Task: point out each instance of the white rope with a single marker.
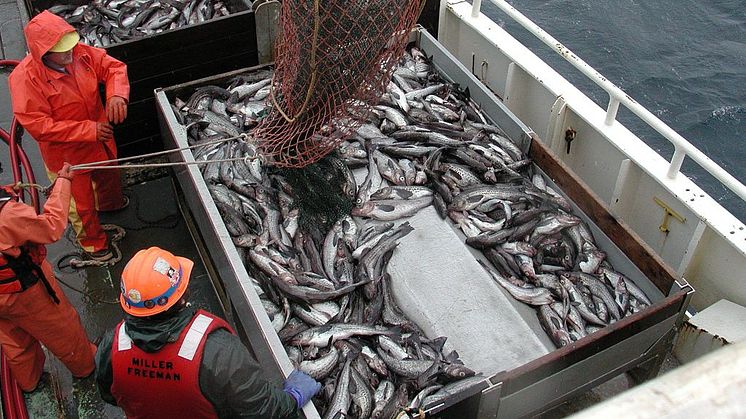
(246, 159)
(100, 164)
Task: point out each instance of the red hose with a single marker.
(16, 152)
(14, 405)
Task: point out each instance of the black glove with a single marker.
(301, 387)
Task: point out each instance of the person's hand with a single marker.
(66, 171)
(116, 109)
(104, 131)
(301, 387)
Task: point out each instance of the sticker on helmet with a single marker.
(173, 277)
(134, 296)
(161, 266)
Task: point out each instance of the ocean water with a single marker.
(684, 60)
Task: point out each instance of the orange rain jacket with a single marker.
(59, 111)
(30, 316)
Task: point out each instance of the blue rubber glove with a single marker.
(301, 387)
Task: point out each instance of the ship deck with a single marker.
(154, 218)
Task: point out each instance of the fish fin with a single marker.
(352, 387)
(438, 343)
(451, 357)
(394, 333)
(429, 374)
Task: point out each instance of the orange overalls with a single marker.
(31, 316)
(61, 111)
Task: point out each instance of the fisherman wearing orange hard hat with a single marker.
(166, 359)
(55, 97)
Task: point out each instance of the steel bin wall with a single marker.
(170, 57)
(635, 343)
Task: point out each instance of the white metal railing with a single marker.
(682, 147)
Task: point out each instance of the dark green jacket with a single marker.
(229, 376)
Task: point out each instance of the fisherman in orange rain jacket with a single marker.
(55, 96)
(33, 309)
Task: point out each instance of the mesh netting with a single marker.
(318, 193)
(333, 58)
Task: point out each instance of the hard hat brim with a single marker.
(186, 269)
(66, 43)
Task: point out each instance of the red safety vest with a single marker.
(21, 272)
(163, 384)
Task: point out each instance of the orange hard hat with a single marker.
(153, 281)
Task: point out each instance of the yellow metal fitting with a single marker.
(669, 212)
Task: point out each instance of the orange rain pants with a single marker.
(30, 317)
(61, 110)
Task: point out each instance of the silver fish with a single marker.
(340, 403)
(322, 336)
(388, 210)
(577, 300)
(533, 296)
(322, 366)
(384, 392)
(362, 395)
(554, 326)
(410, 368)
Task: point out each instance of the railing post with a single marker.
(611, 110)
(676, 161)
(476, 8)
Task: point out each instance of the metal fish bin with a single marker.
(439, 285)
(175, 56)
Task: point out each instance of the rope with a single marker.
(100, 164)
(246, 159)
(90, 293)
(411, 413)
(23, 185)
(312, 84)
(76, 260)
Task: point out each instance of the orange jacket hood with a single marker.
(43, 32)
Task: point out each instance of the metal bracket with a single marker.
(267, 15)
(483, 69)
(669, 212)
(569, 136)
(489, 401)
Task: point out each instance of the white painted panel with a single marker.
(716, 270)
(592, 158)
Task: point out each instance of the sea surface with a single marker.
(684, 60)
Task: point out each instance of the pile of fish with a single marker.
(104, 22)
(328, 293)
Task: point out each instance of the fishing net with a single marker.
(317, 192)
(333, 59)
